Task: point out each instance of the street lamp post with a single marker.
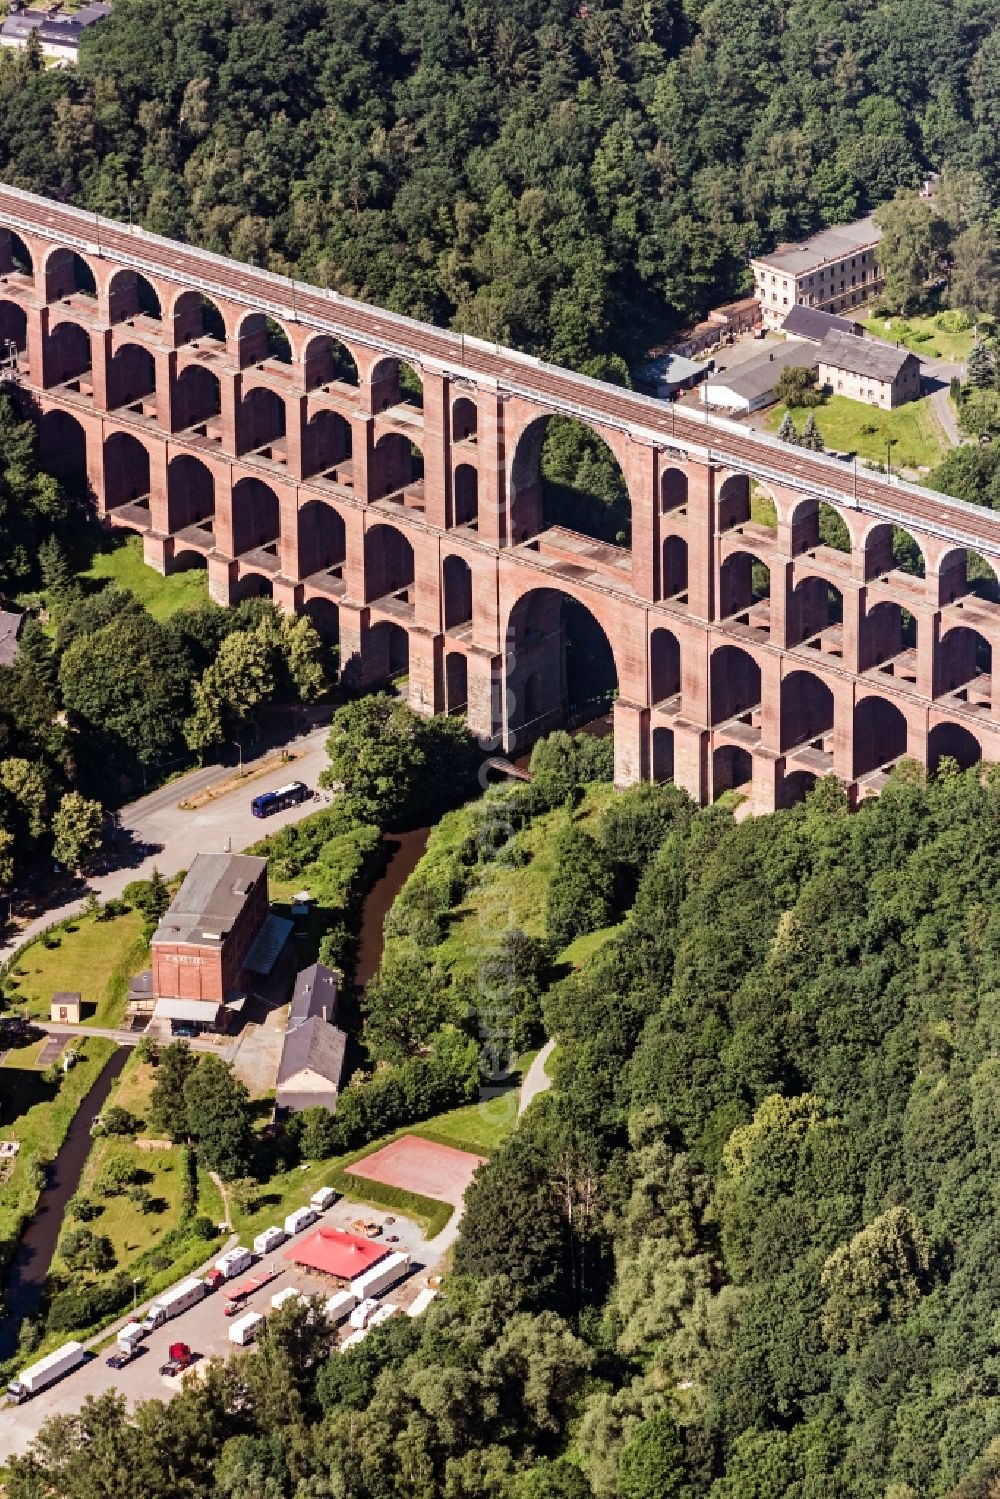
(135, 1295)
(240, 748)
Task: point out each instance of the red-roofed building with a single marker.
(337, 1253)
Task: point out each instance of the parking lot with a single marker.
(206, 1330)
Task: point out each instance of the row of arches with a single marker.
(262, 428)
(325, 360)
(963, 658)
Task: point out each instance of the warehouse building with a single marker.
(747, 387)
(204, 946)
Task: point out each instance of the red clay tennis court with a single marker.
(417, 1165)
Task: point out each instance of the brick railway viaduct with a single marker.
(271, 431)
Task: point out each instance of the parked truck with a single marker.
(131, 1335)
(173, 1302)
(39, 1376)
(381, 1276)
(234, 1262)
(386, 1310)
(421, 1301)
(246, 1288)
(245, 1330)
(180, 1358)
(282, 1298)
(363, 1313)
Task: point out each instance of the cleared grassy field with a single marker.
(161, 596)
(855, 427)
(508, 896)
(93, 958)
(131, 1228)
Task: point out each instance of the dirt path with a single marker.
(536, 1079)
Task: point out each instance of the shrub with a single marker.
(80, 1307)
(82, 1249)
(118, 1121)
(189, 1178)
(952, 321)
(202, 1227)
(83, 1209)
(147, 1051)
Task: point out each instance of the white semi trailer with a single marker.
(381, 1276)
(173, 1302)
(39, 1376)
(339, 1307)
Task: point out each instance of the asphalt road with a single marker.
(164, 837)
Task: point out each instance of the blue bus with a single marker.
(276, 801)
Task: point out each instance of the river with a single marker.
(30, 1265)
(405, 851)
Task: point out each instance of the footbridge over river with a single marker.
(383, 475)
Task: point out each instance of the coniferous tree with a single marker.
(787, 431)
(811, 438)
(981, 369)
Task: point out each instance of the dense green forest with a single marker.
(574, 178)
(744, 1248)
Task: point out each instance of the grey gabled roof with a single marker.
(10, 633)
(315, 994)
(316, 1046)
(863, 356)
(213, 894)
(756, 377)
(814, 324)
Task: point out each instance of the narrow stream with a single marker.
(30, 1265)
(405, 851)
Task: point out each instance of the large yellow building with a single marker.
(834, 269)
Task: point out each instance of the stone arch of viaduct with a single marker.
(383, 476)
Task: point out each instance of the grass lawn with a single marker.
(39, 1115)
(918, 440)
(132, 1230)
(93, 958)
(483, 1126)
(924, 335)
(161, 596)
(506, 896)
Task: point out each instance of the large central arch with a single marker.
(563, 473)
(561, 667)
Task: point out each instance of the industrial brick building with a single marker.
(201, 947)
